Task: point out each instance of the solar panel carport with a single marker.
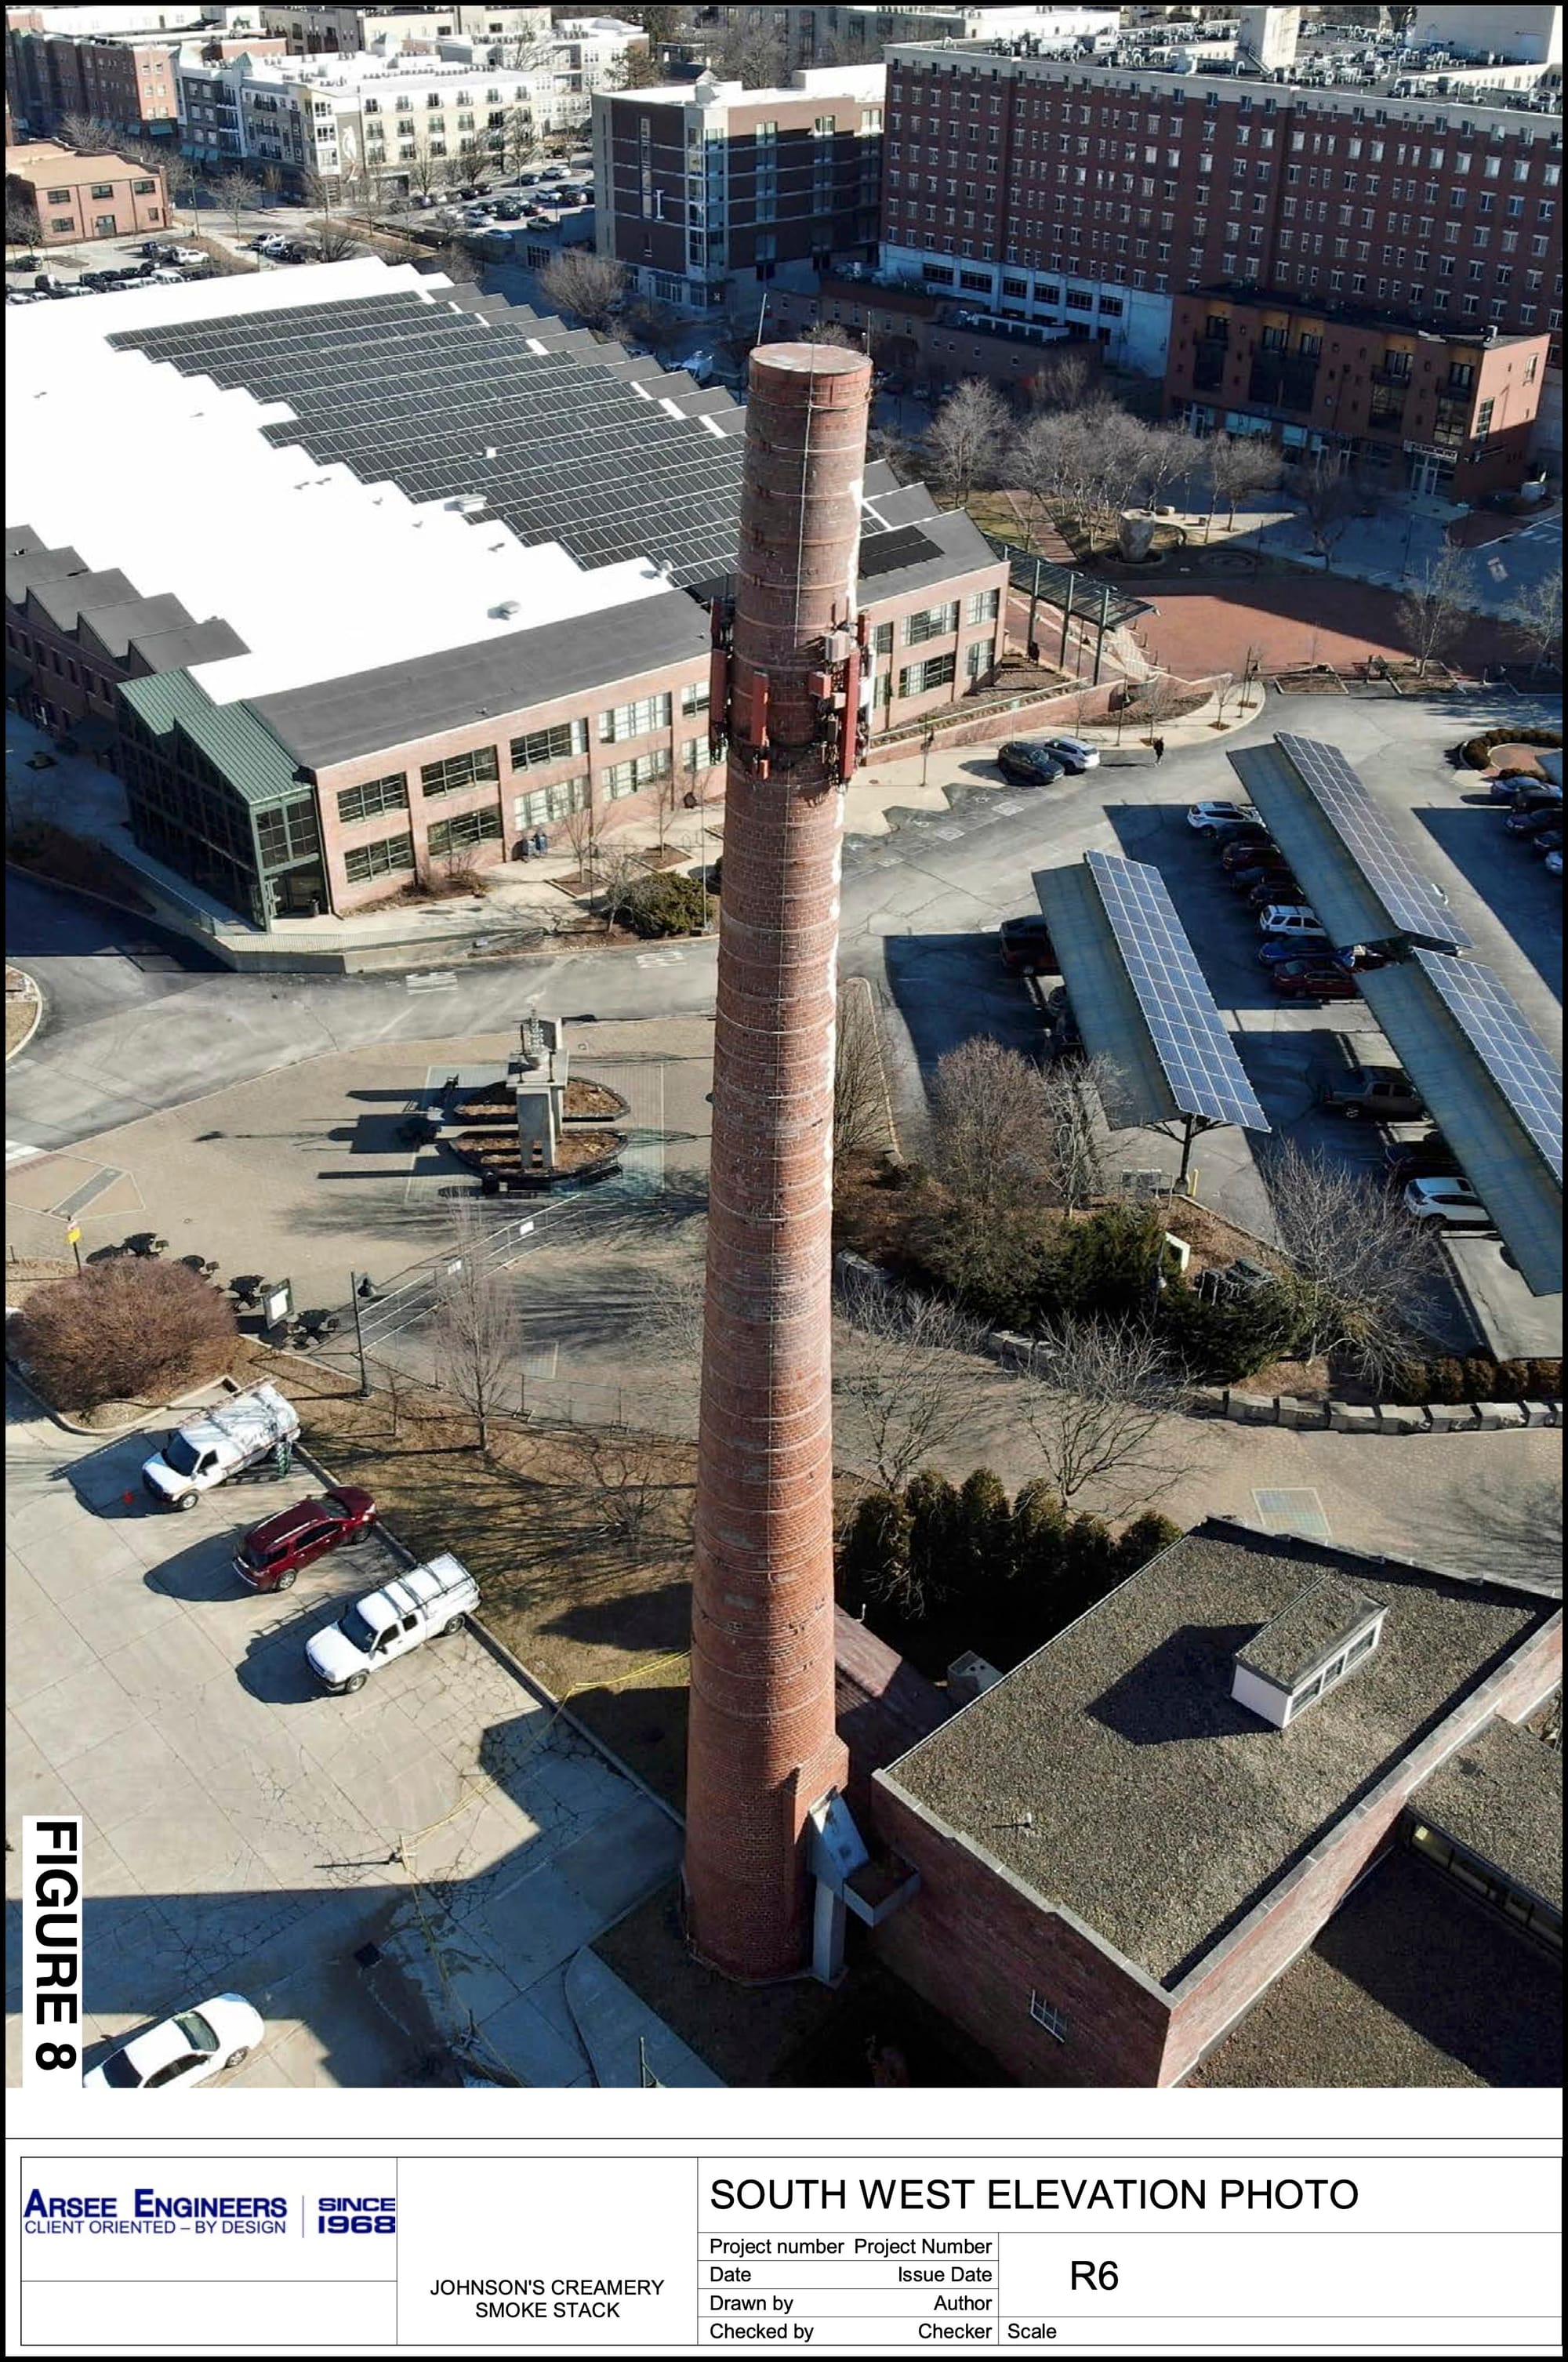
(1493, 1092)
(1140, 1001)
(1353, 867)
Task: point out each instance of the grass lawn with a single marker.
(595, 1620)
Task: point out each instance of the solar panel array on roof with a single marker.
(443, 403)
(1493, 1024)
(1409, 898)
(1206, 1077)
(884, 553)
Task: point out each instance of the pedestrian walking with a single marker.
(541, 843)
(1159, 746)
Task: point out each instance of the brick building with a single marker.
(521, 535)
(128, 82)
(1061, 192)
(1437, 411)
(1125, 1842)
(705, 187)
(80, 197)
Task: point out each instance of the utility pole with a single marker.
(359, 1333)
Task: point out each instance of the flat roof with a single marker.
(1500, 1796)
(38, 163)
(1306, 1634)
(1163, 1812)
(1410, 1983)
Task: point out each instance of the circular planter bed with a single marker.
(1478, 751)
(581, 1155)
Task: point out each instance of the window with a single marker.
(460, 771)
(463, 830)
(626, 779)
(635, 720)
(882, 639)
(1040, 2011)
(378, 860)
(144, 188)
(694, 696)
(977, 659)
(934, 673)
(930, 624)
(549, 746)
(372, 796)
(982, 606)
(696, 755)
(287, 833)
(554, 802)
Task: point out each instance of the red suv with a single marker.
(273, 1553)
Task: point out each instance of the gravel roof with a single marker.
(1163, 1811)
(1309, 1631)
(1500, 1795)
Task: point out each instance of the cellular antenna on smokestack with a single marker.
(764, 1759)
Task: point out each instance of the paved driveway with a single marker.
(374, 1872)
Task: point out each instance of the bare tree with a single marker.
(862, 1119)
(90, 134)
(236, 193)
(904, 1386)
(991, 1126)
(1093, 1399)
(1538, 613)
(1329, 500)
(1360, 1265)
(1041, 461)
(965, 437)
(751, 48)
(457, 261)
(591, 286)
(1065, 380)
(426, 172)
(620, 871)
(621, 1478)
(1157, 697)
(1170, 456)
(1071, 1090)
(476, 1332)
(580, 831)
(335, 242)
(21, 221)
(1432, 613)
(832, 332)
(1237, 465)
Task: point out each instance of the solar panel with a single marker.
(1521, 1067)
(1206, 1077)
(1409, 898)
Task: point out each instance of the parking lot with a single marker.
(932, 899)
(381, 1875)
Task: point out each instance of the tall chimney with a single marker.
(762, 1744)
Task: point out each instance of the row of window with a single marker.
(48, 660)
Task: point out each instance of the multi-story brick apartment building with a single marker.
(706, 188)
(128, 82)
(521, 537)
(1122, 1845)
(1436, 413)
(1060, 192)
(310, 30)
(78, 197)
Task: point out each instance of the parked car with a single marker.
(185, 254)
(1246, 874)
(1448, 1199)
(1554, 864)
(1075, 755)
(1419, 1160)
(389, 1622)
(1537, 812)
(252, 1432)
(188, 2049)
(273, 1553)
(1214, 819)
(1027, 948)
(1505, 787)
(1549, 841)
(1291, 922)
(1374, 1094)
(1242, 848)
(1356, 957)
(1274, 886)
(1026, 761)
(509, 210)
(1303, 980)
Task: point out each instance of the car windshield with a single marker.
(335, 1510)
(197, 2033)
(358, 1632)
(181, 1455)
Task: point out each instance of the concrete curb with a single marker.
(33, 993)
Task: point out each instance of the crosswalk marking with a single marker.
(434, 979)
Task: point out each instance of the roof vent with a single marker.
(1289, 1662)
(507, 608)
(469, 504)
(969, 1676)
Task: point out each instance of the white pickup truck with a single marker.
(255, 1432)
(404, 1612)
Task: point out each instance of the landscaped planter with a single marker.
(586, 1103)
(581, 1155)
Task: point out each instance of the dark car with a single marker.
(1243, 846)
(1549, 841)
(1248, 874)
(1378, 1094)
(509, 210)
(1274, 886)
(1022, 760)
(273, 1553)
(1419, 1160)
(1536, 812)
(1305, 980)
(1026, 947)
(1361, 955)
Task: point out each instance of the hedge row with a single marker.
(1477, 751)
(1478, 1378)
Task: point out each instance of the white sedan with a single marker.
(188, 2049)
(1076, 754)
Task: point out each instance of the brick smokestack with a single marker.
(763, 1745)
